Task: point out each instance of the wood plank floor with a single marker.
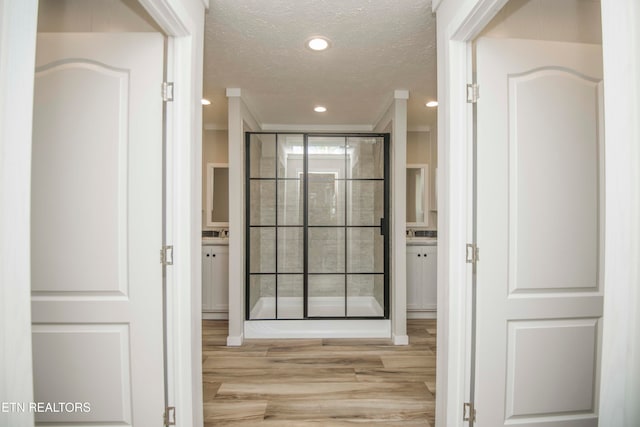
(319, 382)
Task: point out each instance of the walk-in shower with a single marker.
(317, 230)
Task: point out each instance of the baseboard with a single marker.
(422, 314)
(215, 315)
(235, 341)
(400, 339)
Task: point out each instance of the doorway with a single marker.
(548, 103)
(317, 236)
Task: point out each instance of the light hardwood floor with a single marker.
(319, 382)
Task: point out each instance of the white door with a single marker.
(96, 228)
(539, 286)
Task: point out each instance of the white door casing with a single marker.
(96, 227)
(539, 216)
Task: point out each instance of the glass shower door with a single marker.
(345, 200)
(316, 209)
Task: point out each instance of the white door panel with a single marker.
(96, 227)
(539, 295)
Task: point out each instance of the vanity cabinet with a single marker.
(215, 281)
(421, 281)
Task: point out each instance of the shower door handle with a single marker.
(383, 225)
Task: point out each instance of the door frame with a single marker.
(183, 24)
(459, 23)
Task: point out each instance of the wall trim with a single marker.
(18, 23)
(274, 127)
(184, 28)
(455, 125)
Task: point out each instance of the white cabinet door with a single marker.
(220, 278)
(414, 277)
(429, 266)
(97, 228)
(215, 279)
(539, 301)
(207, 283)
(421, 281)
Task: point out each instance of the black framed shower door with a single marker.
(317, 243)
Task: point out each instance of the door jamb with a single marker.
(183, 206)
(454, 323)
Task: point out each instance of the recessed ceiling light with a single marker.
(432, 104)
(318, 43)
(205, 101)
(320, 109)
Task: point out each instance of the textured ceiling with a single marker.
(378, 46)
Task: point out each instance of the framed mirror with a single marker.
(217, 209)
(417, 195)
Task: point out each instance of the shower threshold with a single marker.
(313, 328)
(291, 308)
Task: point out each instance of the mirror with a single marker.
(417, 200)
(217, 210)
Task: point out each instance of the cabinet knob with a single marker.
(213, 255)
(207, 255)
(418, 254)
(425, 255)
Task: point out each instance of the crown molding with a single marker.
(316, 128)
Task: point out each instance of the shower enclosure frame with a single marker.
(383, 225)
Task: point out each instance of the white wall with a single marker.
(94, 16)
(17, 64)
(576, 21)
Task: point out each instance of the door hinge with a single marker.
(166, 255)
(167, 91)
(473, 93)
(473, 253)
(468, 412)
(170, 416)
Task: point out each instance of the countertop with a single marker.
(215, 240)
(411, 241)
(422, 241)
